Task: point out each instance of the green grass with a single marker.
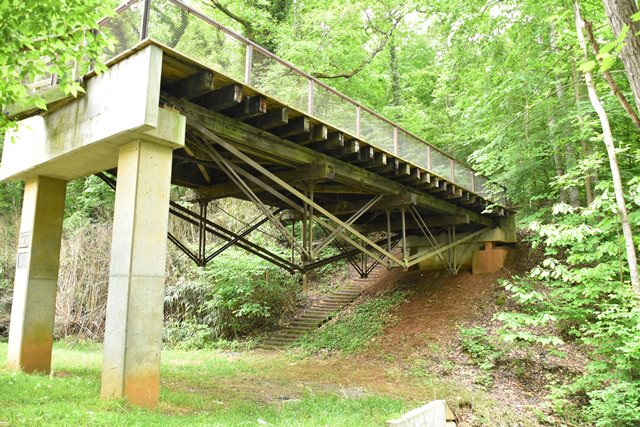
(354, 331)
(198, 388)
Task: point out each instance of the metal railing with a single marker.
(194, 34)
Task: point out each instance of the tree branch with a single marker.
(367, 60)
(245, 24)
(609, 78)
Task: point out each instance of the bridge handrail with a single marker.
(397, 140)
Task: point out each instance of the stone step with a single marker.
(326, 311)
(282, 338)
(305, 321)
(302, 330)
(313, 323)
(290, 331)
(316, 318)
(322, 311)
(279, 345)
(287, 337)
(339, 300)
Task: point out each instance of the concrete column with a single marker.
(133, 335)
(36, 279)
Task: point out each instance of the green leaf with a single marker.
(608, 47)
(40, 103)
(587, 66)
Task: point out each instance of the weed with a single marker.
(447, 367)
(483, 351)
(355, 331)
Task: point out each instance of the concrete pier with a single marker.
(36, 279)
(133, 336)
(118, 123)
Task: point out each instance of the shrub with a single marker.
(187, 335)
(582, 288)
(9, 224)
(236, 294)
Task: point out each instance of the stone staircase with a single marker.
(322, 311)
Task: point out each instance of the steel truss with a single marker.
(341, 233)
(206, 226)
(319, 227)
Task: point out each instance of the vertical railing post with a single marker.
(310, 95)
(429, 165)
(395, 140)
(453, 172)
(358, 113)
(473, 182)
(144, 25)
(248, 61)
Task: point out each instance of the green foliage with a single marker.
(582, 289)
(10, 196)
(236, 294)
(89, 200)
(483, 349)
(247, 291)
(44, 38)
(355, 331)
(187, 335)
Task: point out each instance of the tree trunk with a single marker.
(572, 194)
(626, 106)
(613, 161)
(574, 191)
(395, 76)
(619, 13)
(588, 174)
(557, 160)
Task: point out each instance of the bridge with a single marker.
(188, 102)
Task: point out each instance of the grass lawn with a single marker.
(198, 388)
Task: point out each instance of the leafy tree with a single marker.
(580, 289)
(613, 160)
(620, 14)
(41, 39)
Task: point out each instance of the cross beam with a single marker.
(272, 148)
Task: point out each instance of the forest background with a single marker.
(503, 84)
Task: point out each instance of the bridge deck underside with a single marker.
(345, 171)
(342, 191)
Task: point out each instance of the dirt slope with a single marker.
(420, 357)
(438, 303)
